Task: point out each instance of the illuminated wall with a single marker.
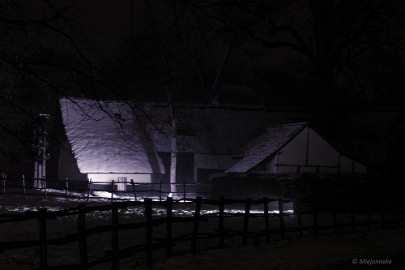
(308, 152)
(108, 178)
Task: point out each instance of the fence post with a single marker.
(81, 230)
(115, 238)
(246, 221)
(397, 212)
(112, 191)
(45, 181)
(316, 229)
(369, 207)
(353, 220)
(169, 222)
(160, 190)
(299, 218)
(149, 232)
(3, 181)
(43, 253)
(266, 218)
(281, 217)
(384, 204)
(67, 187)
(335, 222)
(24, 188)
(196, 224)
(88, 189)
(383, 218)
(184, 191)
(221, 228)
(369, 220)
(133, 188)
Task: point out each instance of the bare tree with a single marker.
(33, 36)
(318, 38)
(168, 61)
(165, 76)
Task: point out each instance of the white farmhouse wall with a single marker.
(291, 157)
(320, 152)
(348, 165)
(294, 152)
(109, 177)
(271, 167)
(307, 169)
(308, 152)
(360, 168)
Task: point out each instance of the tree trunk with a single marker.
(173, 142)
(173, 157)
(322, 109)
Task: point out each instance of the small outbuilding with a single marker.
(293, 149)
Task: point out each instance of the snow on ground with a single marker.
(56, 201)
(327, 251)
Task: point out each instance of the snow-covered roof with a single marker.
(106, 137)
(265, 145)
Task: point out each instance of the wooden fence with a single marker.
(71, 188)
(273, 226)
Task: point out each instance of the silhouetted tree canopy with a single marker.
(318, 43)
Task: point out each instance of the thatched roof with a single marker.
(106, 137)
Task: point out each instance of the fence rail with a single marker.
(220, 233)
(84, 189)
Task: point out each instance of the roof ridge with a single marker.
(272, 141)
(288, 125)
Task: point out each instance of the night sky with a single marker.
(274, 52)
(329, 58)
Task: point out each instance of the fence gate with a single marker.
(121, 183)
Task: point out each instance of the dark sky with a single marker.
(97, 34)
(373, 76)
(279, 56)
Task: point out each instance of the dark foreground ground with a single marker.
(378, 249)
(331, 252)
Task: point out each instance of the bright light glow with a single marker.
(170, 195)
(239, 211)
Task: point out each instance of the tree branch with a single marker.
(304, 49)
